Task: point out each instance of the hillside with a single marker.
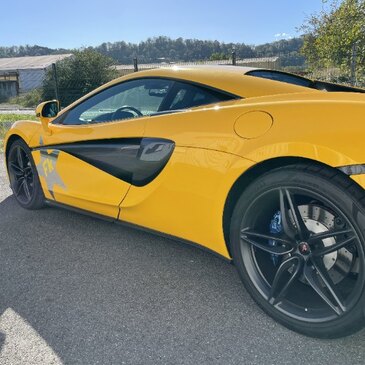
(164, 48)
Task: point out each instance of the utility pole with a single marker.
(353, 64)
(234, 57)
(135, 64)
(55, 80)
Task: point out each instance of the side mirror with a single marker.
(46, 112)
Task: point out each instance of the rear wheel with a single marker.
(24, 180)
(298, 243)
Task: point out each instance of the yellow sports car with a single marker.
(264, 168)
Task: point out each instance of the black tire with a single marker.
(24, 180)
(297, 240)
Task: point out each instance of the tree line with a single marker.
(159, 49)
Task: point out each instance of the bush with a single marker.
(78, 75)
(28, 100)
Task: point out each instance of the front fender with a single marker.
(25, 129)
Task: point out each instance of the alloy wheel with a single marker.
(21, 174)
(302, 254)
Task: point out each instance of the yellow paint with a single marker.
(187, 198)
(360, 179)
(86, 187)
(253, 124)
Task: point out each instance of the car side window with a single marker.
(281, 76)
(129, 99)
(186, 95)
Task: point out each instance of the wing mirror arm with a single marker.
(46, 112)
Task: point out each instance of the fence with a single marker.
(262, 62)
(73, 89)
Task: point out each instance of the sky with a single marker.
(80, 23)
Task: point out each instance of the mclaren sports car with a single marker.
(264, 168)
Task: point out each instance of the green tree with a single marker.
(217, 56)
(78, 75)
(336, 37)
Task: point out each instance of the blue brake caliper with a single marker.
(275, 228)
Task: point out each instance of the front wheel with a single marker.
(297, 239)
(24, 180)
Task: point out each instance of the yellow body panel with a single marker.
(68, 133)
(25, 129)
(303, 126)
(79, 184)
(187, 198)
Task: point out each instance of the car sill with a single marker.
(136, 226)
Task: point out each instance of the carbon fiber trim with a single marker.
(137, 161)
(353, 169)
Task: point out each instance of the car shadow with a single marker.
(98, 292)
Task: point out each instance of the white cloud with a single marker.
(282, 36)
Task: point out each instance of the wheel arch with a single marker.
(22, 129)
(254, 172)
(9, 142)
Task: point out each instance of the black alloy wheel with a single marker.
(24, 180)
(297, 241)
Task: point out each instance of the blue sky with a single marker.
(80, 23)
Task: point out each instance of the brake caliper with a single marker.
(275, 228)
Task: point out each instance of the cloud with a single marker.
(283, 35)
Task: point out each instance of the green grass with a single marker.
(7, 119)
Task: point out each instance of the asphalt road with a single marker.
(75, 290)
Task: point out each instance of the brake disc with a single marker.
(318, 220)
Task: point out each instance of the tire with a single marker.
(297, 239)
(24, 180)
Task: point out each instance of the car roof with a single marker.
(232, 79)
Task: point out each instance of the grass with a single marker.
(6, 120)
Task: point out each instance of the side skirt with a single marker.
(136, 226)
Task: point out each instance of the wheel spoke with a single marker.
(323, 273)
(328, 234)
(312, 276)
(246, 232)
(280, 283)
(21, 183)
(20, 158)
(298, 220)
(287, 223)
(250, 237)
(16, 169)
(335, 247)
(26, 190)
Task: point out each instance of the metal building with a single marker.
(22, 74)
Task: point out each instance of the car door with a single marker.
(86, 160)
(187, 199)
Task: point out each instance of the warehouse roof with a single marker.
(31, 62)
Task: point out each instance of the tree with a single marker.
(78, 75)
(336, 37)
(217, 56)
